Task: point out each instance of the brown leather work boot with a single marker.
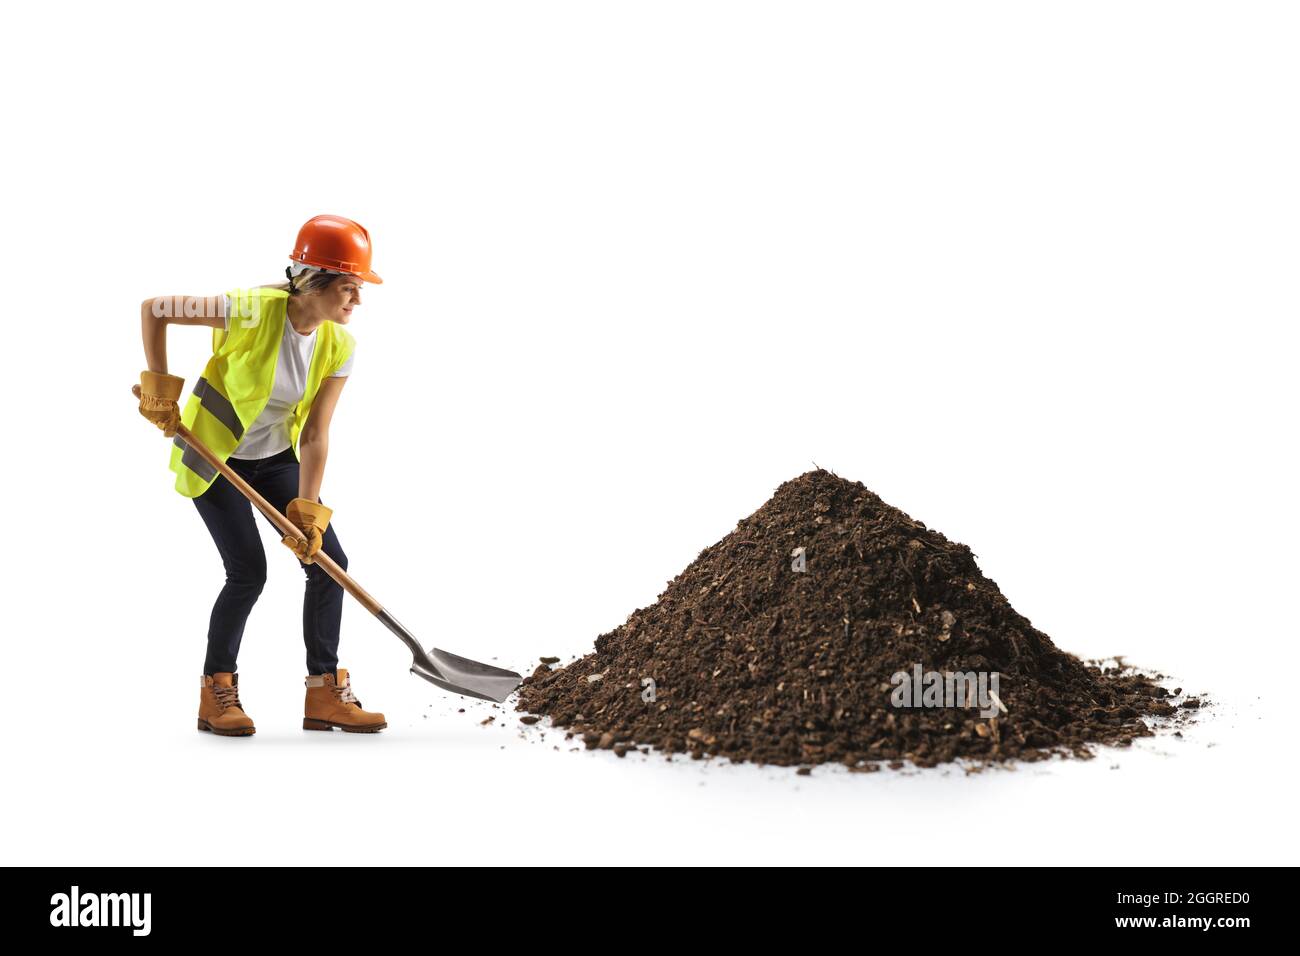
(219, 707)
(331, 703)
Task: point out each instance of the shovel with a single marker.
(460, 675)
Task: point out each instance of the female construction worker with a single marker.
(263, 406)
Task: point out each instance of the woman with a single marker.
(263, 406)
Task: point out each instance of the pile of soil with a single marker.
(754, 659)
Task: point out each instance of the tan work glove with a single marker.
(158, 393)
(312, 518)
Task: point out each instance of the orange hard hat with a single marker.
(336, 245)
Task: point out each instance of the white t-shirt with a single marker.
(269, 435)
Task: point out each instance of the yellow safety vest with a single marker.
(236, 384)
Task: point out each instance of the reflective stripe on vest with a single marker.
(219, 406)
(195, 462)
(236, 384)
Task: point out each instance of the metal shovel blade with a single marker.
(452, 672)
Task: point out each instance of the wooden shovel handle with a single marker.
(280, 521)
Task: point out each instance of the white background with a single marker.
(1027, 270)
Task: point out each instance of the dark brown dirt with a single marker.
(755, 661)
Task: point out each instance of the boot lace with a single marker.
(345, 695)
(227, 697)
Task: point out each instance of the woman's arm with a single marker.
(314, 443)
(159, 312)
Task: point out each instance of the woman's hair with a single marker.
(313, 280)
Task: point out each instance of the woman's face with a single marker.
(342, 296)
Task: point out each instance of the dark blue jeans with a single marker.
(229, 517)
